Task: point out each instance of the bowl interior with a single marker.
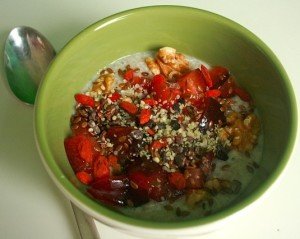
(209, 37)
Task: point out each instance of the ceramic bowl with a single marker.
(207, 36)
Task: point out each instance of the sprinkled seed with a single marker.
(76, 126)
(181, 101)
(96, 129)
(225, 167)
(99, 114)
(111, 110)
(102, 135)
(122, 139)
(137, 134)
(156, 159)
(103, 72)
(134, 185)
(119, 148)
(175, 125)
(83, 113)
(161, 126)
(91, 123)
(226, 190)
(176, 107)
(255, 165)
(84, 124)
(93, 116)
(236, 186)
(109, 70)
(123, 86)
(180, 160)
(97, 148)
(250, 169)
(120, 73)
(77, 120)
(179, 139)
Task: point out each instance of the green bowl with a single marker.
(207, 36)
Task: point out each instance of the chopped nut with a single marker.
(197, 196)
(152, 65)
(243, 133)
(171, 63)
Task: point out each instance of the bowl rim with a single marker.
(102, 212)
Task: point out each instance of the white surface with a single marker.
(32, 207)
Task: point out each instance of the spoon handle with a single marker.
(86, 224)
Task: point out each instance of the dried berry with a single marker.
(175, 125)
(222, 152)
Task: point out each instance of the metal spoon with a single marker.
(27, 55)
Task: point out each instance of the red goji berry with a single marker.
(86, 149)
(85, 100)
(158, 144)
(128, 75)
(84, 177)
(149, 101)
(160, 88)
(129, 107)
(136, 80)
(180, 118)
(101, 167)
(115, 96)
(80, 151)
(150, 132)
(145, 116)
(213, 93)
(177, 180)
(113, 163)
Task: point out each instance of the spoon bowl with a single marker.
(27, 55)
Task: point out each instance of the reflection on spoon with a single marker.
(27, 55)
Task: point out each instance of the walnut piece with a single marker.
(241, 132)
(168, 62)
(196, 196)
(104, 83)
(152, 65)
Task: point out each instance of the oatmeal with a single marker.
(154, 129)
